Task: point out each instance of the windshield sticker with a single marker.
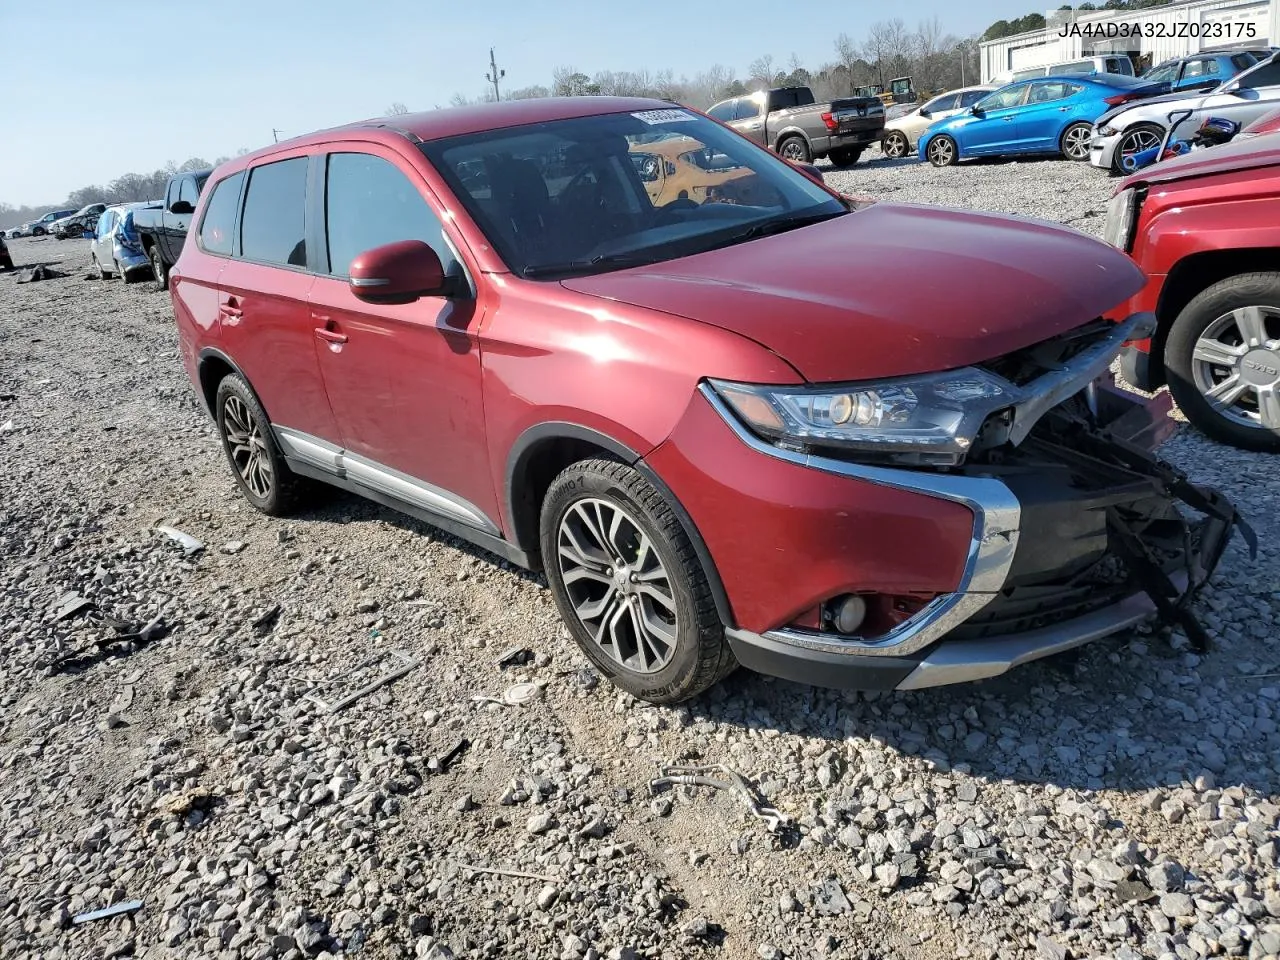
(663, 116)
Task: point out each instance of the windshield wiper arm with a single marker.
(781, 224)
(604, 260)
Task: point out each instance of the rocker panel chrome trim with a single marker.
(362, 471)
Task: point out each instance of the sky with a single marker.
(160, 81)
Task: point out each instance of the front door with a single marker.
(404, 381)
(749, 119)
(1250, 96)
(994, 130)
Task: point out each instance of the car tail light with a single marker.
(830, 121)
(1120, 98)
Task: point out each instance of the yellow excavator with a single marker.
(900, 90)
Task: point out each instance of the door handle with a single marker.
(330, 336)
(231, 309)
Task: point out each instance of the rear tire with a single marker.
(621, 568)
(1074, 142)
(264, 478)
(942, 151)
(1208, 350)
(158, 270)
(794, 148)
(845, 156)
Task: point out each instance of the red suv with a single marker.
(1205, 228)
(705, 416)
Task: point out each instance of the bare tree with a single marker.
(396, 109)
(760, 71)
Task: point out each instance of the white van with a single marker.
(1111, 63)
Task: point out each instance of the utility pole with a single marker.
(275, 134)
(494, 74)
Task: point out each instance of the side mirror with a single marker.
(925, 113)
(808, 169)
(181, 207)
(977, 111)
(399, 272)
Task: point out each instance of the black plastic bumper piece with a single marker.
(1137, 369)
(818, 668)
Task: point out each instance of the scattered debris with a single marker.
(6, 397)
(736, 782)
(6, 427)
(442, 763)
(829, 899)
(188, 543)
(503, 872)
(155, 630)
(516, 695)
(68, 605)
(233, 547)
(265, 623)
(40, 272)
(182, 803)
(407, 664)
(516, 657)
(128, 906)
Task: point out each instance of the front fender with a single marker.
(1179, 231)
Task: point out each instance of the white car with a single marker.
(1132, 128)
(901, 134)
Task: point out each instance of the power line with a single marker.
(494, 74)
(275, 134)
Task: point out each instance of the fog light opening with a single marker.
(848, 613)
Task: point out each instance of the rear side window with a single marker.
(1201, 68)
(188, 192)
(272, 227)
(220, 216)
(368, 203)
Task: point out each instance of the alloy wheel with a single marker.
(895, 146)
(940, 152)
(1137, 141)
(793, 149)
(617, 584)
(248, 448)
(1075, 142)
(1236, 366)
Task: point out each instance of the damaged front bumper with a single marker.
(1077, 535)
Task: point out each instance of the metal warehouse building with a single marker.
(1148, 36)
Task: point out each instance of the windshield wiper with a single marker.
(592, 263)
(782, 224)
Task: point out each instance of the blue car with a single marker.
(1202, 70)
(115, 247)
(1045, 115)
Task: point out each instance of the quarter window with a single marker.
(368, 203)
(220, 216)
(272, 228)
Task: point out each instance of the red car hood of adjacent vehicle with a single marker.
(1247, 154)
(889, 290)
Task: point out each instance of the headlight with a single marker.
(1118, 230)
(931, 419)
(1105, 131)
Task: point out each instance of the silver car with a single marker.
(1132, 128)
(902, 133)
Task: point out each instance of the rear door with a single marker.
(1048, 110)
(404, 380)
(263, 305)
(193, 284)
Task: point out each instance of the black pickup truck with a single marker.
(787, 120)
(163, 230)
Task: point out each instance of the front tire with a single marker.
(158, 270)
(895, 145)
(264, 478)
(845, 156)
(1074, 142)
(1139, 137)
(795, 149)
(942, 151)
(629, 585)
(1223, 361)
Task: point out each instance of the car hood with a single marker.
(892, 289)
(1250, 153)
(1187, 100)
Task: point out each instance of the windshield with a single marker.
(599, 193)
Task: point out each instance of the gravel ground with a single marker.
(1121, 804)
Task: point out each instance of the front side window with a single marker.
(216, 229)
(105, 223)
(369, 202)
(1005, 97)
(1243, 61)
(722, 111)
(188, 192)
(272, 228)
(569, 197)
(748, 109)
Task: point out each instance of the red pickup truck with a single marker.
(1205, 228)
